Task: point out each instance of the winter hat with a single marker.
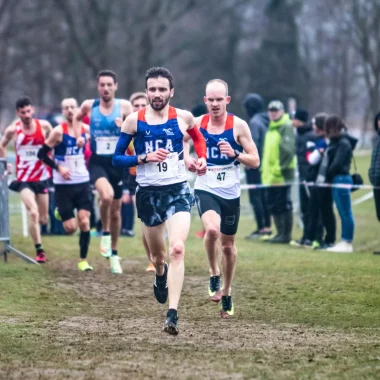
(301, 115)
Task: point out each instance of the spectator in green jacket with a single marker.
(277, 169)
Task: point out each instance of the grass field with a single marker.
(299, 313)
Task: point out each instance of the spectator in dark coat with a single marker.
(304, 135)
(374, 170)
(258, 125)
(321, 211)
(335, 167)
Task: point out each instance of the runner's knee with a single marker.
(84, 222)
(34, 216)
(107, 199)
(177, 250)
(228, 249)
(212, 232)
(43, 219)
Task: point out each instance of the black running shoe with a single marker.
(214, 291)
(227, 307)
(160, 286)
(170, 325)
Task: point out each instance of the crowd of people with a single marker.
(320, 150)
(135, 153)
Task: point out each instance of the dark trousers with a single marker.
(325, 204)
(279, 200)
(127, 216)
(376, 194)
(257, 199)
(304, 194)
(56, 227)
(314, 229)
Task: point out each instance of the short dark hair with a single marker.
(155, 72)
(23, 102)
(319, 120)
(107, 73)
(334, 124)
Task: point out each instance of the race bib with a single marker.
(75, 164)
(28, 152)
(164, 169)
(221, 176)
(106, 145)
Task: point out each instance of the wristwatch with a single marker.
(144, 158)
(237, 153)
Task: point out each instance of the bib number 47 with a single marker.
(221, 176)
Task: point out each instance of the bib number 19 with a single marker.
(162, 167)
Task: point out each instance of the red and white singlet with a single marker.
(28, 167)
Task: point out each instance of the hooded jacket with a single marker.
(279, 159)
(374, 169)
(259, 120)
(305, 135)
(340, 155)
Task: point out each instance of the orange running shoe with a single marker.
(150, 268)
(200, 234)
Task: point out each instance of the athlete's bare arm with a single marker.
(243, 137)
(55, 137)
(7, 137)
(46, 127)
(126, 108)
(84, 110)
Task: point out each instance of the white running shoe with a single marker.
(342, 247)
(105, 246)
(115, 265)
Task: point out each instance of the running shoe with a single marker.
(160, 286)
(304, 243)
(214, 291)
(227, 307)
(105, 246)
(41, 257)
(316, 244)
(255, 235)
(150, 268)
(115, 265)
(84, 266)
(170, 325)
(57, 215)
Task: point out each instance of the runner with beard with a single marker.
(163, 196)
(106, 116)
(29, 135)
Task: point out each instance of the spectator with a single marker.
(278, 169)
(305, 136)
(335, 167)
(258, 124)
(374, 170)
(321, 201)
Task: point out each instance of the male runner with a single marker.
(31, 174)
(163, 197)
(71, 178)
(217, 193)
(106, 115)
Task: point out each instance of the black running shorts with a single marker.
(156, 204)
(71, 197)
(101, 166)
(228, 209)
(40, 187)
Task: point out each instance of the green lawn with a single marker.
(299, 313)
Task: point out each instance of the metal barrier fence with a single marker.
(5, 236)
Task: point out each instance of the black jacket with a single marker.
(374, 169)
(340, 155)
(305, 134)
(259, 121)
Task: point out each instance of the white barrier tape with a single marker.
(309, 184)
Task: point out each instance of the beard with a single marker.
(159, 106)
(26, 120)
(106, 98)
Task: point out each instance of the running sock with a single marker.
(106, 233)
(39, 248)
(114, 252)
(84, 242)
